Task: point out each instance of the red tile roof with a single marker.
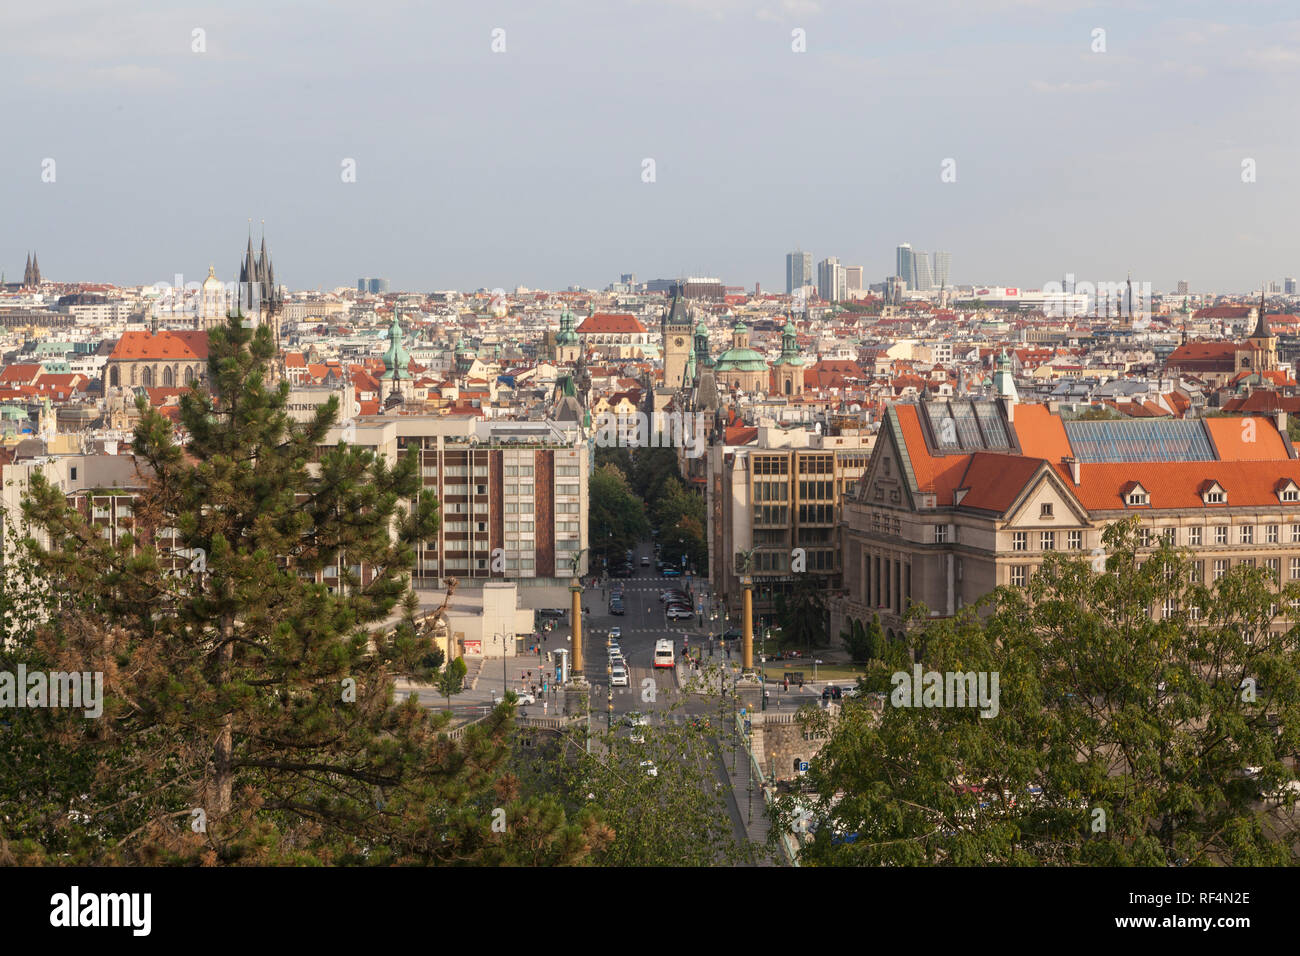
(610, 323)
(147, 346)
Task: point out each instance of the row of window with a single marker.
(1147, 537)
(1046, 540)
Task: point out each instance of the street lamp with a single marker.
(505, 681)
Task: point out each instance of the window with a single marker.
(1291, 494)
(1171, 536)
(1018, 576)
(941, 534)
(1193, 613)
(1221, 568)
(566, 471)
(73, 474)
(1295, 569)
(1221, 534)
(1215, 497)
(566, 489)
(1020, 541)
(1194, 537)
(1074, 540)
(1295, 534)
(1247, 534)
(1047, 540)
(1045, 511)
(1274, 566)
(1168, 608)
(1144, 537)
(1270, 534)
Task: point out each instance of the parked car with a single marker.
(671, 572)
(679, 613)
(832, 692)
(555, 612)
(645, 561)
(635, 718)
(650, 768)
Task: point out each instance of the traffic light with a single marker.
(548, 657)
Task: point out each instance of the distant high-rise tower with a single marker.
(798, 270)
(1182, 287)
(830, 280)
(942, 269)
(379, 286)
(903, 266)
(853, 278)
(922, 277)
(1288, 285)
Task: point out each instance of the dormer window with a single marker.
(1288, 490)
(1135, 495)
(1212, 493)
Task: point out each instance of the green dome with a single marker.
(396, 358)
(741, 360)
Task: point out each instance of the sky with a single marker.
(1074, 151)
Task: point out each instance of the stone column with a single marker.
(747, 648)
(575, 615)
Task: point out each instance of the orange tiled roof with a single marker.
(610, 323)
(147, 346)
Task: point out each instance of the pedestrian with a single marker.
(544, 708)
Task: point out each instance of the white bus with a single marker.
(664, 654)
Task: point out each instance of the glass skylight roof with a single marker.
(1137, 440)
(964, 426)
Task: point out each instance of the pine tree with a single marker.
(249, 712)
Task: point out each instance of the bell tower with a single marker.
(676, 334)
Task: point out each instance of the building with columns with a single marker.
(963, 496)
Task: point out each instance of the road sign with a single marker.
(803, 766)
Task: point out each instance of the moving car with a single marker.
(678, 613)
(616, 607)
(614, 634)
(523, 697)
(645, 561)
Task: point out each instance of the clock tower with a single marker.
(677, 343)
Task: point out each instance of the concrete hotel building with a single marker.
(513, 499)
(963, 496)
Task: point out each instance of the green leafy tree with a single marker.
(451, 679)
(1143, 719)
(239, 693)
(803, 617)
(616, 516)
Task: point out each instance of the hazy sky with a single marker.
(476, 168)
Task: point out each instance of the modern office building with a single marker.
(798, 270)
(922, 277)
(782, 491)
(943, 270)
(904, 266)
(853, 278)
(831, 284)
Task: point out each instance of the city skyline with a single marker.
(156, 146)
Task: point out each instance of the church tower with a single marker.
(1263, 343)
(787, 370)
(567, 346)
(675, 331)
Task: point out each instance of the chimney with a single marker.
(1281, 420)
(1074, 468)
